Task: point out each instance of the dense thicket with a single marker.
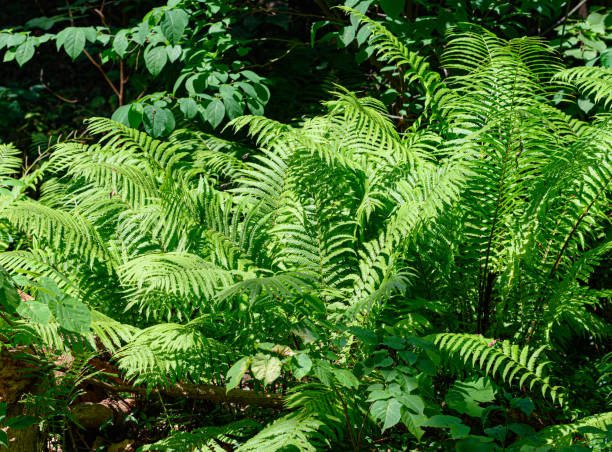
(226, 261)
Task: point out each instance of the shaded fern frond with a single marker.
(203, 439)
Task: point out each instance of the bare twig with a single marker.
(564, 18)
(95, 63)
(62, 98)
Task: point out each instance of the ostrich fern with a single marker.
(192, 252)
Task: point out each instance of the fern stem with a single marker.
(575, 227)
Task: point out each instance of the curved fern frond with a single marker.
(294, 430)
(593, 81)
(563, 434)
(505, 360)
(204, 439)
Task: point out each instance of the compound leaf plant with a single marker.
(376, 289)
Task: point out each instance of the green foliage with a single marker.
(352, 266)
(507, 361)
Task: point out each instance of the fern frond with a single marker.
(294, 430)
(506, 361)
(593, 81)
(563, 434)
(203, 439)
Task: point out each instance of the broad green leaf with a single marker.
(606, 58)
(34, 310)
(173, 52)
(252, 76)
(121, 115)
(155, 59)
(232, 102)
(346, 378)
(459, 431)
(304, 364)
(387, 411)
(215, 111)
(24, 52)
(236, 372)
(442, 421)
(266, 368)
(90, 34)
(313, 30)
(348, 35)
(44, 22)
(523, 404)
(188, 107)
(173, 25)
(48, 290)
(248, 89)
(71, 314)
(412, 402)
(263, 93)
(196, 84)
(396, 343)
(135, 115)
(465, 396)
(414, 422)
(585, 105)
(392, 8)
(378, 394)
(140, 33)
(255, 106)
(74, 42)
(120, 43)
(157, 121)
(9, 55)
(15, 39)
(363, 34)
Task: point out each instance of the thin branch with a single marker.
(111, 84)
(575, 228)
(564, 18)
(62, 98)
(122, 82)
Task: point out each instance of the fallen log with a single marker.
(210, 393)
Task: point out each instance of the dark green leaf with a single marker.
(387, 411)
(121, 115)
(188, 107)
(215, 111)
(173, 25)
(155, 59)
(24, 52)
(74, 42)
(392, 8)
(120, 43)
(304, 364)
(135, 115)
